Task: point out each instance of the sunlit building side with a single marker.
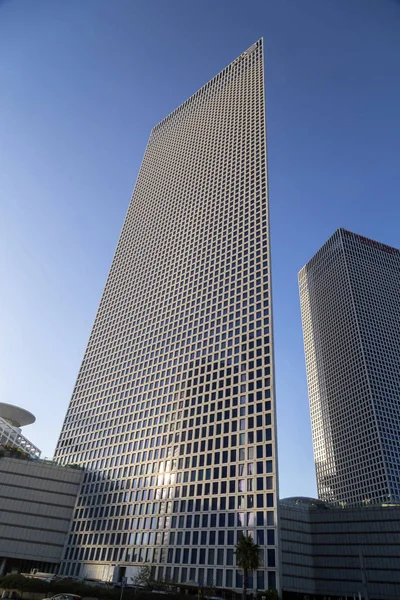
(173, 411)
(350, 306)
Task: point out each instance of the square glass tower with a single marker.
(350, 304)
(173, 410)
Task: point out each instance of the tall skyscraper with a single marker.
(350, 304)
(173, 410)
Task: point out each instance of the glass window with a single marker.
(271, 557)
(270, 518)
(260, 580)
(250, 580)
(239, 579)
(271, 537)
(271, 580)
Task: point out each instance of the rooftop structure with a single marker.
(12, 418)
(16, 416)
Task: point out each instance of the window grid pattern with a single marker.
(173, 409)
(351, 328)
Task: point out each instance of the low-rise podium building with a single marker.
(37, 498)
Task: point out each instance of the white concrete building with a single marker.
(173, 412)
(350, 306)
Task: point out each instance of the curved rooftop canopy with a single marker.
(16, 416)
(305, 502)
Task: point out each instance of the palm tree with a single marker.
(247, 558)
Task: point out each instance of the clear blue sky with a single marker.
(82, 82)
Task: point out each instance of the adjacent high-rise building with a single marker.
(350, 304)
(173, 411)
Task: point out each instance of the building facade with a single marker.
(339, 553)
(37, 499)
(349, 293)
(173, 411)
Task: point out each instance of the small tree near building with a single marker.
(247, 558)
(271, 595)
(144, 577)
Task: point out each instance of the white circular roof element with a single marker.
(16, 416)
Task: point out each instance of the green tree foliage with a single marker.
(60, 586)
(247, 558)
(15, 582)
(270, 595)
(72, 586)
(144, 577)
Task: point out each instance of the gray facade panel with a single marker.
(36, 504)
(346, 551)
